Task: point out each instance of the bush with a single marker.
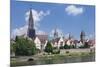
(55, 51)
(70, 55)
(67, 51)
(86, 45)
(72, 46)
(55, 48)
(48, 48)
(66, 46)
(61, 47)
(81, 47)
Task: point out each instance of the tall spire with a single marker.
(31, 31)
(31, 20)
(69, 36)
(55, 33)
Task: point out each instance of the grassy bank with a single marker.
(67, 55)
(53, 58)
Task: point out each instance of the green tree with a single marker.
(66, 46)
(61, 47)
(72, 46)
(16, 39)
(48, 48)
(12, 48)
(24, 46)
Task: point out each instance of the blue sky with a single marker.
(68, 18)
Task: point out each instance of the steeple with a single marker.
(55, 33)
(31, 20)
(31, 31)
(69, 37)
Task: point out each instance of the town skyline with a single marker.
(65, 17)
(51, 33)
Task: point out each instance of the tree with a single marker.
(48, 48)
(12, 48)
(24, 47)
(16, 39)
(61, 47)
(86, 45)
(72, 46)
(66, 46)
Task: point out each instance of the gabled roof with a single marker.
(42, 38)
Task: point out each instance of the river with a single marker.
(43, 61)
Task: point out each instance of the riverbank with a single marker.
(70, 57)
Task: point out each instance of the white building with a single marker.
(37, 42)
(61, 42)
(41, 41)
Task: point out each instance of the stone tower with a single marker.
(82, 36)
(55, 33)
(31, 31)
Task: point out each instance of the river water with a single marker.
(57, 61)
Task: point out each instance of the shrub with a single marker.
(61, 47)
(86, 45)
(67, 51)
(48, 47)
(66, 46)
(72, 46)
(55, 51)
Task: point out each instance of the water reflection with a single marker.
(66, 60)
(57, 60)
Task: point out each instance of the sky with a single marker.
(66, 18)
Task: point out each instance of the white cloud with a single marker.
(37, 15)
(19, 31)
(59, 32)
(74, 10)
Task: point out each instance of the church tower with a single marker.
(55, 33)
(69, 37)
(82, 36)
(31, 31)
